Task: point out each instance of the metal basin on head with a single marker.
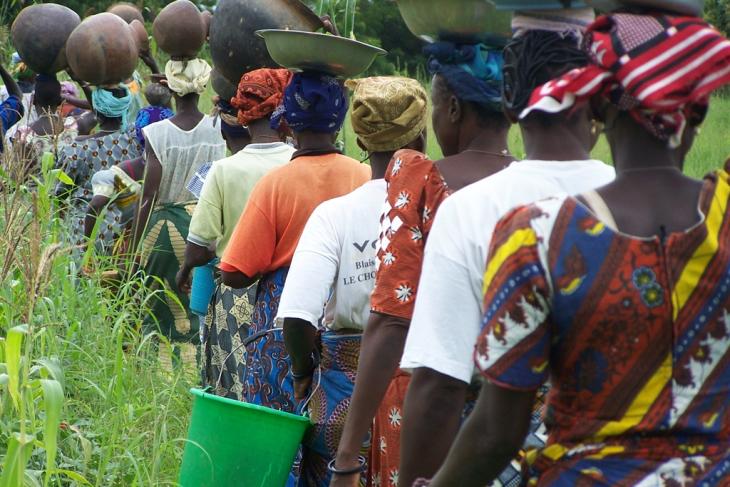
(455, 20)
(311, 51)
(684, 7)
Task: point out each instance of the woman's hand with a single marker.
(329, 25)
(351, 480)
(302, 388)
(183, 280)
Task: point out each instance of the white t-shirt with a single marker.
(334, 264)
(448, 313)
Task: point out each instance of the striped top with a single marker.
(633, 333)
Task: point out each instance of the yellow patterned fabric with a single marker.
(388, 112)
(163, 252)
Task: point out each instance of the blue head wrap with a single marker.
(312, 101)
(110, 106)
(473, 72)
(149, 115)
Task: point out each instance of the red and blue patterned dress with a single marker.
(633, 334)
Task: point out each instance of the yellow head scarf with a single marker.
(387, 112)
(185, 77)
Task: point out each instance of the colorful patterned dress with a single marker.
(332, 387)
(416, 189)
(266, 380)
(634, 334)
(81, 160)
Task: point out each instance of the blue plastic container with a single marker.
(203, 288)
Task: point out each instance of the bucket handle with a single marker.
(257, 336)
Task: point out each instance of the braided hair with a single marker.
(532, 60)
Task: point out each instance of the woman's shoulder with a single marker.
(406, 164)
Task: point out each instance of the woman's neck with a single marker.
(485, 140)
(379, 163)
(557, 142)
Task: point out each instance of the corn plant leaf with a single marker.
(19, 451)
(13, 352)
(53, 402)
(52, 369)
(77, 478)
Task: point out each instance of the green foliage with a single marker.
(84, 397)
(718, 13)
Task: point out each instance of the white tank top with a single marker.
(181, 153)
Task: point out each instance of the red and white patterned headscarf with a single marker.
(659, 68)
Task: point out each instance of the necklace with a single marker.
(504, 153)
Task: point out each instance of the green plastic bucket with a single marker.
(232, 443)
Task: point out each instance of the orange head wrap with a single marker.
(259, 93)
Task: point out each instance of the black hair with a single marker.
(117, 93)
(47, 92)
(532, 60)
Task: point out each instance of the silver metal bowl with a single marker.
(455, 20)
(311, 51)
(685, 7)
(537, 4)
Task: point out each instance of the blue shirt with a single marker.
(11, 111)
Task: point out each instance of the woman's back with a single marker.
(181, 153)
(633, 332)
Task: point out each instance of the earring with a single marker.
(594, 128)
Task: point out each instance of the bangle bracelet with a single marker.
(314, 357)
(347, 471)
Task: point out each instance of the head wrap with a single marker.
(149, 115)
(312, 101)
(473, 72)
(567, 22)
(387, 112)
(259, 93)
(107, 104)
(68, 88)
(185, 77)
(659, 68)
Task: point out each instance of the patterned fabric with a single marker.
(148, 115)
(11, 111)
(416, 188)
(189, 76)
(121, 188)
(328, 406)
(388, 112)
(164, 251)
(39, 144)
(80, 160)
(633, 332)
(267, 381)
(314, 102)
(221, 340)
(661, 69)
(473, 72)
(195, 185)
(385, 452)
(259, 93)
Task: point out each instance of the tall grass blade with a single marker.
(53, 402)
(19, 451)
(13, 351)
